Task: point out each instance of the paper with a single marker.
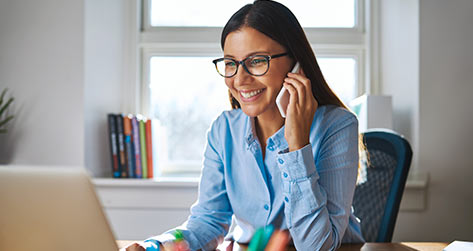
(459, 245)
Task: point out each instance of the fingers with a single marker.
(302, 79)
(293, 97)
(299, 89)
(134, 247)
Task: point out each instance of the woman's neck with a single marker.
(268, 124)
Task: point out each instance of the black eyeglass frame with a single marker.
(242, 63)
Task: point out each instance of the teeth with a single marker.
(250, 94)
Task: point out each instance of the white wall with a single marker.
(104, 62)
(446, 117)
(63, 62)
(41, 62)
(429, 74)
(399, 66)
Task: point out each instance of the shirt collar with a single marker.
(277, 140)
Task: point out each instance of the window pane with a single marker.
(310, 13)
(187, 94)
(341, 75)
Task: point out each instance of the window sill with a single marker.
(159, 182)
(415, 192)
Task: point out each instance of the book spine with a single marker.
(144, 165)
(128, 146)
(136, 146)
(112, 130)
(121, 147)
(149, 148)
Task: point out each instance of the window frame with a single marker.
(205, 41)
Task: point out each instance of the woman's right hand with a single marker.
(137, 246)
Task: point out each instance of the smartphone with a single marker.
(282, 100)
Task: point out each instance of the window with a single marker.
(181, 89)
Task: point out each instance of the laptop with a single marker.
(51, 209)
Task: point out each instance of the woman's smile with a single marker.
(251, 95)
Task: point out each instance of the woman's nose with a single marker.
(241, 77)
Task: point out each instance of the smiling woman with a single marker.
(296, 173)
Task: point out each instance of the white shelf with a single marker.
(417, 180)
(160, 182)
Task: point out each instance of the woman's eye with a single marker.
(257, 62)
(230, 64)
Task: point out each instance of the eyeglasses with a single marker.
(256, 65)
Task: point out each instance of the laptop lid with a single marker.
(51, 209)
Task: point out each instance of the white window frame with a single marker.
(359, 42)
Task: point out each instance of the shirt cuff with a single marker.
(297, 164)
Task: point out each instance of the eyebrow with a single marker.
(247, 55)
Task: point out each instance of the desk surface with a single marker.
(402, 246)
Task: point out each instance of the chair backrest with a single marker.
(377, 199)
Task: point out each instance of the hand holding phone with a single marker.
(282, 100)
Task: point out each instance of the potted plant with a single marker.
(4, 119)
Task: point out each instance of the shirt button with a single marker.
(286, 199)
(280, 161)
(266, 207)
(285, 175)
(271, 148)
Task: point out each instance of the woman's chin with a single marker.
(250, 111)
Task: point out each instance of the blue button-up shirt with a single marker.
(308, 191)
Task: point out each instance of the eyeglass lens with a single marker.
(256, 65)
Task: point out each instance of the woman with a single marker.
(296, 173)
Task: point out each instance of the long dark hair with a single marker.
(279, 23)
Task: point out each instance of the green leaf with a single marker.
(3, 95)
(6, 106)
(6, 120)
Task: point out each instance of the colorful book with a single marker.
(144, 160)
(136, 146)
(149, 148)
(128, 145)
(112, 131)
(121, 147)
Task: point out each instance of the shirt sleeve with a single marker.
(211, 215)
(318, 200)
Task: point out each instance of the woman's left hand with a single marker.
(300, 111)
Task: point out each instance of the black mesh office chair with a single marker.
(377, 198)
